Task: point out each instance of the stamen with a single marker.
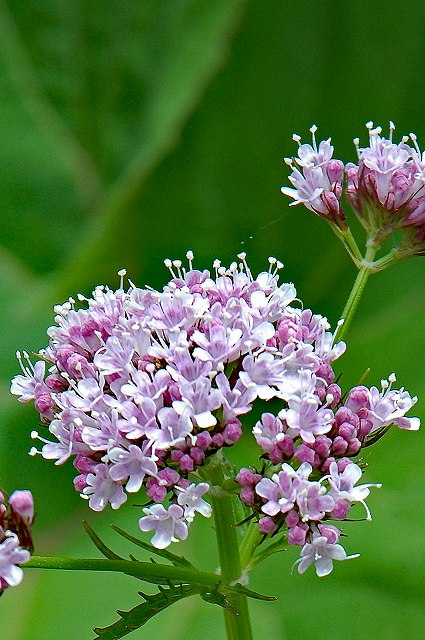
(242, 257)
(414, 138)
(313, 130)
(190, 257)
(169, 266)
(216, 266)
(122, 273)
(178, 265)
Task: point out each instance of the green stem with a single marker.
(150, 572)
(349, 243)
(356, 293)
(238, 626)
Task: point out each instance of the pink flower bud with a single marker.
(292, 518)
(354, 446)
(203, 440)
(247, 496)
(275, 455)
(84, 464)
(286, 446)
(232, 432)
(297, 535)
(169, 476)
(266, 525)
(197, 455)
(322, 446)
(303, 453)
(347, 431)
(186, 463)
(340, 510)
(245, 477)
(80, 482)
(330, 532)
(22, 504)
(339, 446)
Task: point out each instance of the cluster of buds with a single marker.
(143, 386)
(16, 519)
(386, 188)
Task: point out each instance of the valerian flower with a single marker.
(385, 187)
(141, 388)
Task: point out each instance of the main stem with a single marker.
(238, 625)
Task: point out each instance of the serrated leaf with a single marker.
(139, 615)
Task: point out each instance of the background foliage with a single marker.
(133, 131)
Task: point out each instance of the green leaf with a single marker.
(163, 553)
(103, 548)
(139, 615)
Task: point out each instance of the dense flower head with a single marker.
(141, 387)
(16, 519)
(385, 187)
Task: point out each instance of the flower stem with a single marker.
(356, 293)
(238, 625)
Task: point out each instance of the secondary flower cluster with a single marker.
(386, 188)
(323, 438)
(16, 518)
(143, 386)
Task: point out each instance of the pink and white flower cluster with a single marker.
(140, 387)
(386, 187)
(323, 439)
(16, 518)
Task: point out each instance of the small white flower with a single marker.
(191, 500)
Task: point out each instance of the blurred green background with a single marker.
(131, 131)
